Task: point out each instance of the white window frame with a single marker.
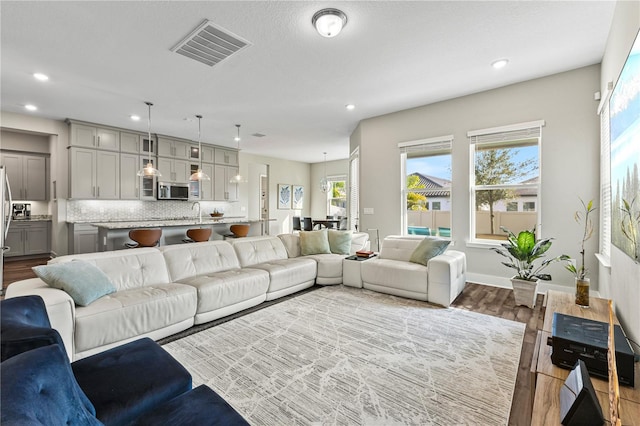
(435, 145)
(337, 178)
(605, 179)
(498, 136)
(354, 189)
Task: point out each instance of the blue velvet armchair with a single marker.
(136, 383)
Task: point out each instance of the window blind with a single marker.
(605, 182)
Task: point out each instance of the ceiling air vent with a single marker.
(210, 44)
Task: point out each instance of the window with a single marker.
(505, 174)
(337, 196)
(354, 189)
(426, 181)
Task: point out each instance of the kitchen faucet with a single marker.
(199, 210)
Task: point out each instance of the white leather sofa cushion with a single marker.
(255, 250)
(291, 243)
(399, 248)
(329, 268)
(133, 312)
(191, 260)
(285, 274)
(127, 269)
(396, 274)
(224, 289)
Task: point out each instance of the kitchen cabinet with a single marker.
(94, 174)
(129, 180)
(225, 156)
(28, 238)
(27, 175)
(224, 189)
(173, 148)
(84, 238)
(95, 137)
(208, 154)
(206, 186)
(174, 170)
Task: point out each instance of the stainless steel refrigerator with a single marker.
(5, 216)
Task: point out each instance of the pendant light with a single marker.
(324, 183)
(149, 170)
(237, 178)
(199, 175)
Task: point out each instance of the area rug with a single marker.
(341, 355)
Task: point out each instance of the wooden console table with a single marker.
(547, 379)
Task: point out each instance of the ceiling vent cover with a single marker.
(210, 44)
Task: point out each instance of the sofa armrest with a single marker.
(446, 277)
(61, 308)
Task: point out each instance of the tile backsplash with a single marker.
(132, 210)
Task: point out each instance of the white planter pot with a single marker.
(525, 292)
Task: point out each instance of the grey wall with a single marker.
(318, 198)
(621, 282)
(569, 162)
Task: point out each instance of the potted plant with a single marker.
(523, 251)
(580, 271)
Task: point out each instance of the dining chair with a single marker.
(296, 223)
(343, 224)
(147, 237)
(307, 224)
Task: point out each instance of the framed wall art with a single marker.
(284, 196)
(297, 199)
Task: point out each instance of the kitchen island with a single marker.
(113, 235)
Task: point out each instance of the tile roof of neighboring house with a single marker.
(528, 192)
(432, 185)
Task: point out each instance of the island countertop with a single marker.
(162, 223)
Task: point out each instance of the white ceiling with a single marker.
(104, 59)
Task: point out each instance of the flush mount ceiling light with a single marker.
(149, 170)
(199, 175)
(40, 76)
(329, 22)
(30, 107)
(500, 63)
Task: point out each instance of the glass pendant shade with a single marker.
(149, 170)
(324, 183)
(237, 178)
(199, 175)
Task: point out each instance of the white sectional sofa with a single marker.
(162, 291)
(439, 282)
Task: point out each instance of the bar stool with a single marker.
(148, 237)
(237, 231)
(197, 235)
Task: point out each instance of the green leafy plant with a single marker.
(630, 225)
(579, 216)
(523, 250)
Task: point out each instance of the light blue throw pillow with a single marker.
(427, 249)
(340, 241)
(83, 281)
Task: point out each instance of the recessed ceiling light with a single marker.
(40, 76)
(30, 107)
(350, 107)
(135, 117)
(500, 63)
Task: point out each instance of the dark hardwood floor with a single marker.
(16, 270)
(494, 301)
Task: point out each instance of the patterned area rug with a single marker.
(340, 355)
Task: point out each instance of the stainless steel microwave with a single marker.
(173, 191)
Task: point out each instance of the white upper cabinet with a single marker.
(174, 148)
(27, 175)
(95, 137)
(225, 156)
(94, 174)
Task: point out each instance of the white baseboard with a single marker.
(502, 282)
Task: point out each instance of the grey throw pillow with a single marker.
(428, 248)
(83, 281)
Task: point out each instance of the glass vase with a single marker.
(582, 292)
